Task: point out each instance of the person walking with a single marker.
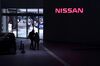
(36, 39)
(31, 37)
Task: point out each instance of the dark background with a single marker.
(65, 27)
(72, 32)
(79, 28)
(22, 3)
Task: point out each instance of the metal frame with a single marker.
(22, 14)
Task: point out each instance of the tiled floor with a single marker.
(29, 58)
(77, 54)
(54, 54)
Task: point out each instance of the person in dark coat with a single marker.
(36, 39)
(31, 37)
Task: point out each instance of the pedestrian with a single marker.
(36, 39)
(31, 37)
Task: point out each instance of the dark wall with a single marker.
(0, 16)
(65, 27)
(72, 27)
(22, 3)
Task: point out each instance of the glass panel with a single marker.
(9, 21)
(41, 27)
(21, 10)
(12, 24)
(30, 24)
(21, 26)
(11, 10)
(41, 11)
(4, 23)
(4, 10)
(32, 11)
(36, 23)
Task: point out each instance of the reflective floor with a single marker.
(30, 57)
(77, 54)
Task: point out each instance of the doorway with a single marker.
(22, 21)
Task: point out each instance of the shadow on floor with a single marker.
(30, 57)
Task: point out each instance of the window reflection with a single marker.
(4, 10)
(21, 10)
(22, 24)
(32, 10)
(41, 11)
(14, 10)
(11, 10)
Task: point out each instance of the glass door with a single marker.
(30, 24)
(22, 26)
(12, 24)
(21, 21)
(36, 23)
(40, 27)
(33, 24)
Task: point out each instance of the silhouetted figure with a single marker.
(36, 39)
(31, 37)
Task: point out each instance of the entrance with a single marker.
(23, 21)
